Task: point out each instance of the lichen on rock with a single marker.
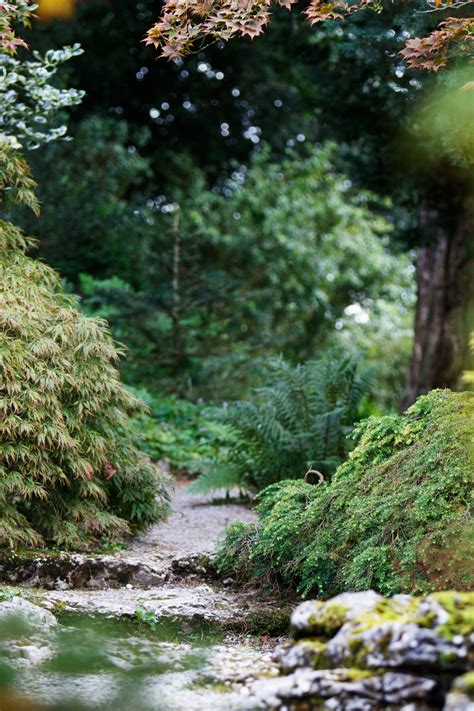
(376, 653)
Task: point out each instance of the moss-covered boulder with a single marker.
(396, 517)
(363, 651)
(69, 471)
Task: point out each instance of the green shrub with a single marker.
(300, 420)
(395, 517)
(70, 473)
(180, 431)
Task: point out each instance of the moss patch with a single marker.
(460, 607)
(328, 619)
(465, 684)
(395, 518)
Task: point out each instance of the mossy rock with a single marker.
(465, 685)
(316, 618)
(395, 518)
(369, 632)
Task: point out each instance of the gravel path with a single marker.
(165, 570)
(224, 634)
(194, 526)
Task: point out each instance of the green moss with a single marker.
(265, 622)
(354, 674)
(7, 592)
(59, 607)
(466, 684)
(209, 683)
(314, 650)
(328, 619)
(385, 611)
(460, 607)
(452, 600)
(448, 657)
(394, 518)
(358, 652)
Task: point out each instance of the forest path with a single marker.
(193, 528)
(199, 643)
(167, 571)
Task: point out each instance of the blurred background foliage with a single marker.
(256, 199)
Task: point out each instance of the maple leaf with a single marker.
(184, 23)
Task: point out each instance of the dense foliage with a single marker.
(199, 284)
(70, 474)
(396, 516)
(300, 420)
(343, 81)
(185, 433)
(69, 470)
(29, 100)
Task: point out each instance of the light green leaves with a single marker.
(29, 100)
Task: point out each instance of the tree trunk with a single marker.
(444, 313)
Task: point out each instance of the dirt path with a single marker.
(208, 640)
(166, 571)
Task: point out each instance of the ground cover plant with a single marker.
(396, 516)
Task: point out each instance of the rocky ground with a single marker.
(195, 641)
(168, 571)
(151, 627)
(362, 652)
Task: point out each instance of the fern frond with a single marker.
(300, 419)
(218, 475)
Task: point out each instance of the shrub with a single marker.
(395, 517)
(70, 472)
(300, 420)
(180, 431)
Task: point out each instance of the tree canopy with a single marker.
(187, 25)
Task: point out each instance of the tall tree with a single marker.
(344, 81)
(444, 214)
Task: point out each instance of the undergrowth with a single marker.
(301, 419)
(184, 433)
(396, 516)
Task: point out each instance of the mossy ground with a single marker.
(395, 518)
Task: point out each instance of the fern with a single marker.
(217, 475)
(299, 420)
